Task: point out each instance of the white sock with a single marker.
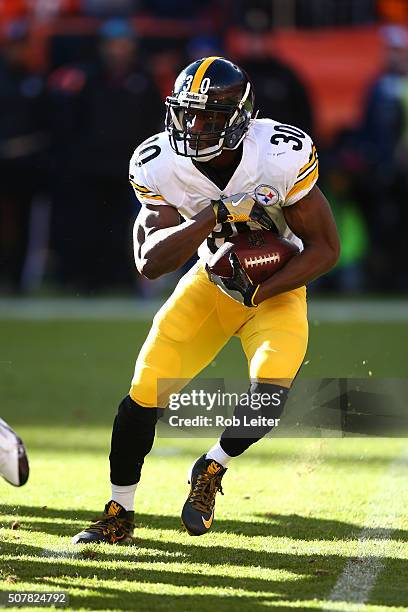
(125, 496)
(218, 455)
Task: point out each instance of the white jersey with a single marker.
(279, 165)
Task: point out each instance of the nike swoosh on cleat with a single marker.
(208, 523)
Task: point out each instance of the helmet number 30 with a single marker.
(187, 82)
(205, 85)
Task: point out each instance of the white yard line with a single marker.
(369, 310)
(386, 509)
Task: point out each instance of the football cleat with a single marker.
(115, 526)
(205, 480)
(13, 457)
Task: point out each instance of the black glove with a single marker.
(239, 286)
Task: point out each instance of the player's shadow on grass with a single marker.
(68, 522)
(308, 580)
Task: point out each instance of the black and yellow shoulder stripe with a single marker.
(145, 192)
(309, 166)
(307, 175)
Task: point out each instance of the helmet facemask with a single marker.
(201, 128)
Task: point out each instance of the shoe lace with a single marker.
(111, 526)
(202, 496)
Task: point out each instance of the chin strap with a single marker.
(209, 157)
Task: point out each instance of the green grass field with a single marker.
(307, 524)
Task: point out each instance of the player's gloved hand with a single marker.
(238, 286)
(239, 208)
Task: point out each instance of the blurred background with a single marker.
(83, 82)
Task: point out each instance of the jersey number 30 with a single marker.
(288, 133)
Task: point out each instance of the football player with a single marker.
(13, 456)
(224, 171)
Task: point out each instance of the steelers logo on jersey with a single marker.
(267, 195)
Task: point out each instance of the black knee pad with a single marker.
(254, 418)
(132, 439)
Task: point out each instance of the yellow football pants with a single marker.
(198, 320)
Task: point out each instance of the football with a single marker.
(261, 253)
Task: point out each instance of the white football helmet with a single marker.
(13, 456)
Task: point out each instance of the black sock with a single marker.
(236, 439)
(132, 439)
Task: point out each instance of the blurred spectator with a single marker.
(39, 9)
(165, 64)
(109, 8)
(204, 45)
(23, 141)
(174, 9)
(383, 143)
(383, 119)
(263, 15)
(279, 93)
(42, 10)
(326, 13)
(110, 108)
(167, 59)
(393, 11)
(258, 15)
(13, 9)
(349, 274)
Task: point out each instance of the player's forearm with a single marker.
(167, 249)
(311, 263)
